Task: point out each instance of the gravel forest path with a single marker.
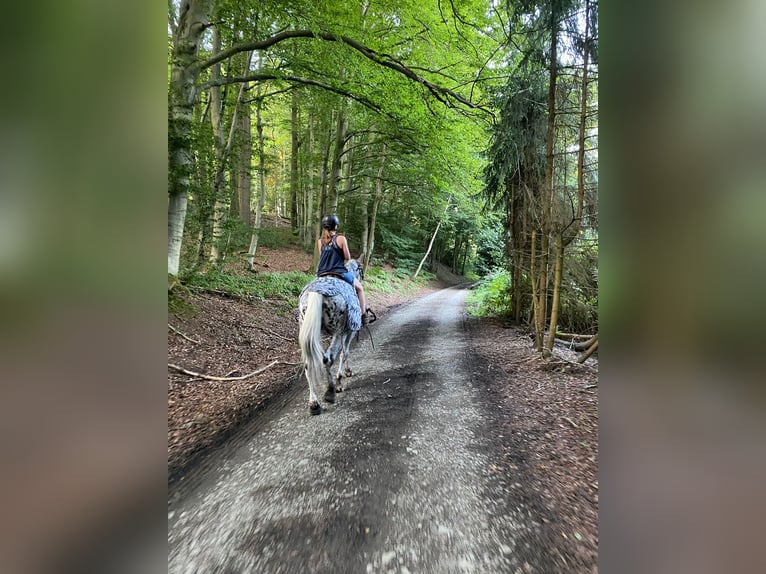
(396, 476)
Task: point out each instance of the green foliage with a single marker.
(258, 286)
(414, 153)
(489, 250)
(400, 247)
(397, 281)
(491, 297)
(517, 153)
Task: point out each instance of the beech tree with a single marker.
(194, 17)
(382, 112)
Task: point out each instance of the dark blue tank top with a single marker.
(331, 259)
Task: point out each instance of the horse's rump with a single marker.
(330, 305)
(340, 299)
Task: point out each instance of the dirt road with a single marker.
(396, 476)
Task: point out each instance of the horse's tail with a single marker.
(309, 338)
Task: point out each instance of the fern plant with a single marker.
(492, 295)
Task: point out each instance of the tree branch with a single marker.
(211, 378)
(176, 331)
(444, 95)
(265, 76)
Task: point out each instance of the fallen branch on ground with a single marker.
(278, 335)
(176, 331)
(212, 378)
(570, 421)
(593, 347)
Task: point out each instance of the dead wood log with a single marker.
(594, 346)
(585, 345)
(573, 336)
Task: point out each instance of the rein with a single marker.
(367, 326)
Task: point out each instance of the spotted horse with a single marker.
(328, 305)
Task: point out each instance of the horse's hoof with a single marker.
(338, 389)
(329, 396)
(314, 409)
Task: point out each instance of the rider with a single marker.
(333, 255)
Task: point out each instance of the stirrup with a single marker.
(366, 320)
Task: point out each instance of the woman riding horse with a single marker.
(329, 304)
(333, 257)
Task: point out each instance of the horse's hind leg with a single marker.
(314, 372)
(332, 350)
(343, 368)
(329, 359)
(329, 394)
(314, 407)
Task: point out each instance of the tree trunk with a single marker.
(577, 223)
(542, 291)
(277, 171)
(524, 246)
(202, 215)
(223, 147)
(548, 190)
(375, 205)
(433, 237)
(430, 245)
(348, 167)
(219, 210)
(514, 257)
(216, 121)
(456, 251)
(193, 18)
(581, 132)
(364, 201)
(322, 201)
(593, 347)
(294, 144)
(466, 248)
(340, 138)
(323, 179)
(261, 182)
(556, 292)
(533, 276)
(308, 222)
(244, 185)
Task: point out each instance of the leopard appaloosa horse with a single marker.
(328, 304)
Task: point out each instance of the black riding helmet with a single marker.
(330, 222)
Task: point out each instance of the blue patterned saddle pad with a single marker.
(332, 286)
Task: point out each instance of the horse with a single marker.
(328, 304)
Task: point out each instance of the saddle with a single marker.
(331, 286)
(333, 274)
